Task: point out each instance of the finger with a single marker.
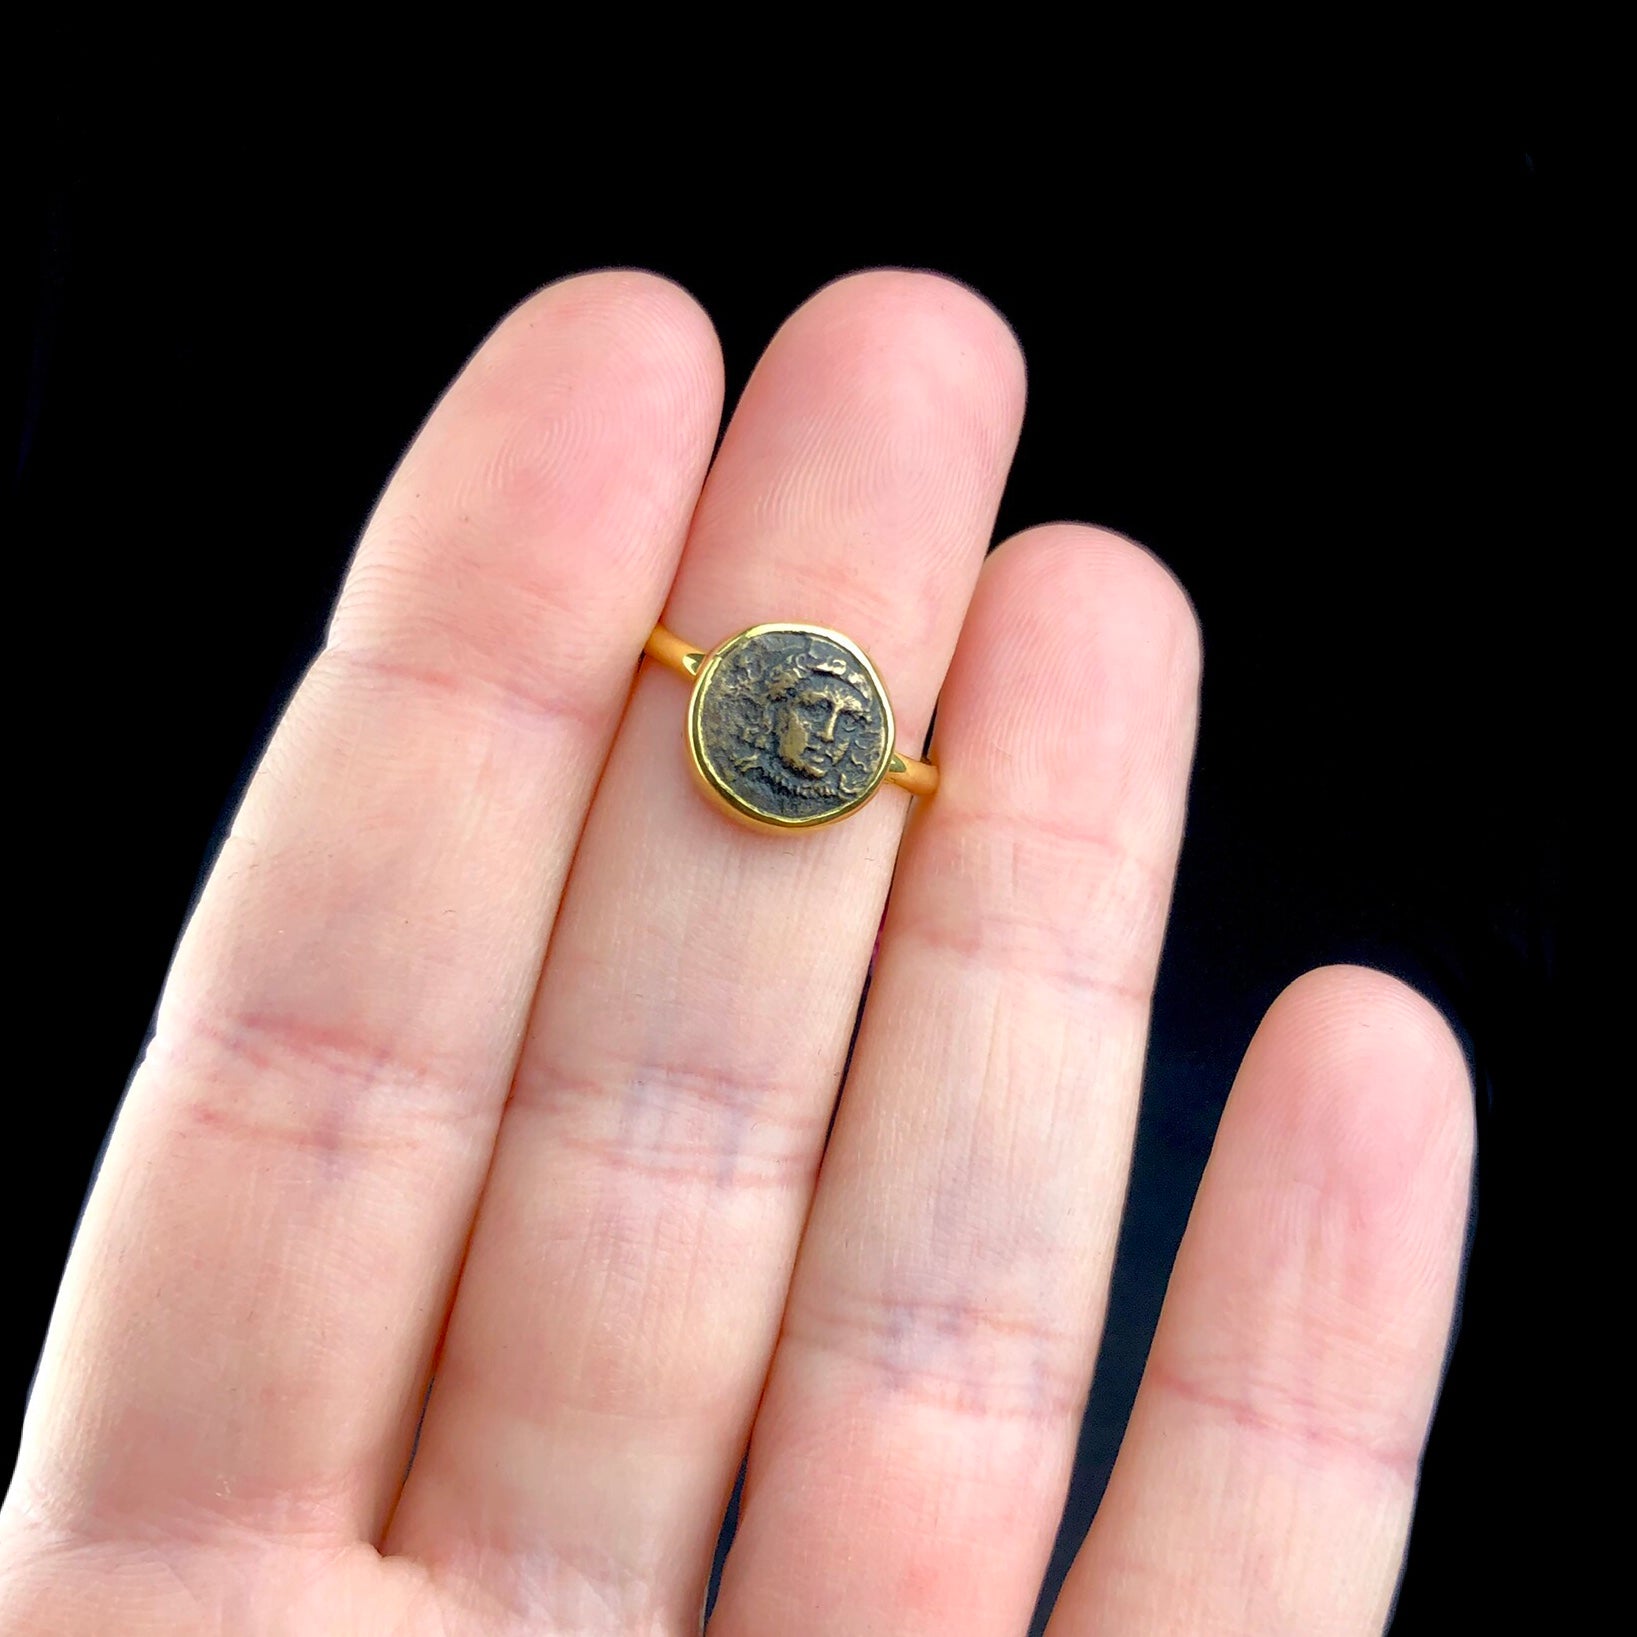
(1269, 1470)
(632, 1253)
(244, 1331)
(911, 1456)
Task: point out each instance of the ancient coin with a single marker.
(789, 725)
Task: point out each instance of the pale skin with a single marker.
(492, 1046)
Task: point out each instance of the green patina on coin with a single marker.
(789, 725)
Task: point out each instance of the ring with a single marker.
(789, 725)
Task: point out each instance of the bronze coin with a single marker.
(789, 725)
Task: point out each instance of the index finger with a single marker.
(247, 1321)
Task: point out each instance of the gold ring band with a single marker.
(789, 725)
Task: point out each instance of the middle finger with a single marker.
(631, 1257)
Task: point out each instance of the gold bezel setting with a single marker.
(735, 801)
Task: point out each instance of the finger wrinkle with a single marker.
(1110, 835)
(722, 1162)
(567, 704)
(244, 1512)
(707, 1088)
(1084, 913)
(553, 621)
(1049, 842)
(962, 1355)
(335, 1093)
(1012, 947)
(517, 1586)
(673, 1125)
(1305, 1425)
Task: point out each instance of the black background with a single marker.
(1317, 362)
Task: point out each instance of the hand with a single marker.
(483, 994)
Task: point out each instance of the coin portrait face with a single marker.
(789, 725)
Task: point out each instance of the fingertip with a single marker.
(649, 302)
(1079, 570)
(1366, 1088)
(1286, 1400)
(563, 463)
(941, 318)
(619, 345)
(878, 427)
(1075, 685)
